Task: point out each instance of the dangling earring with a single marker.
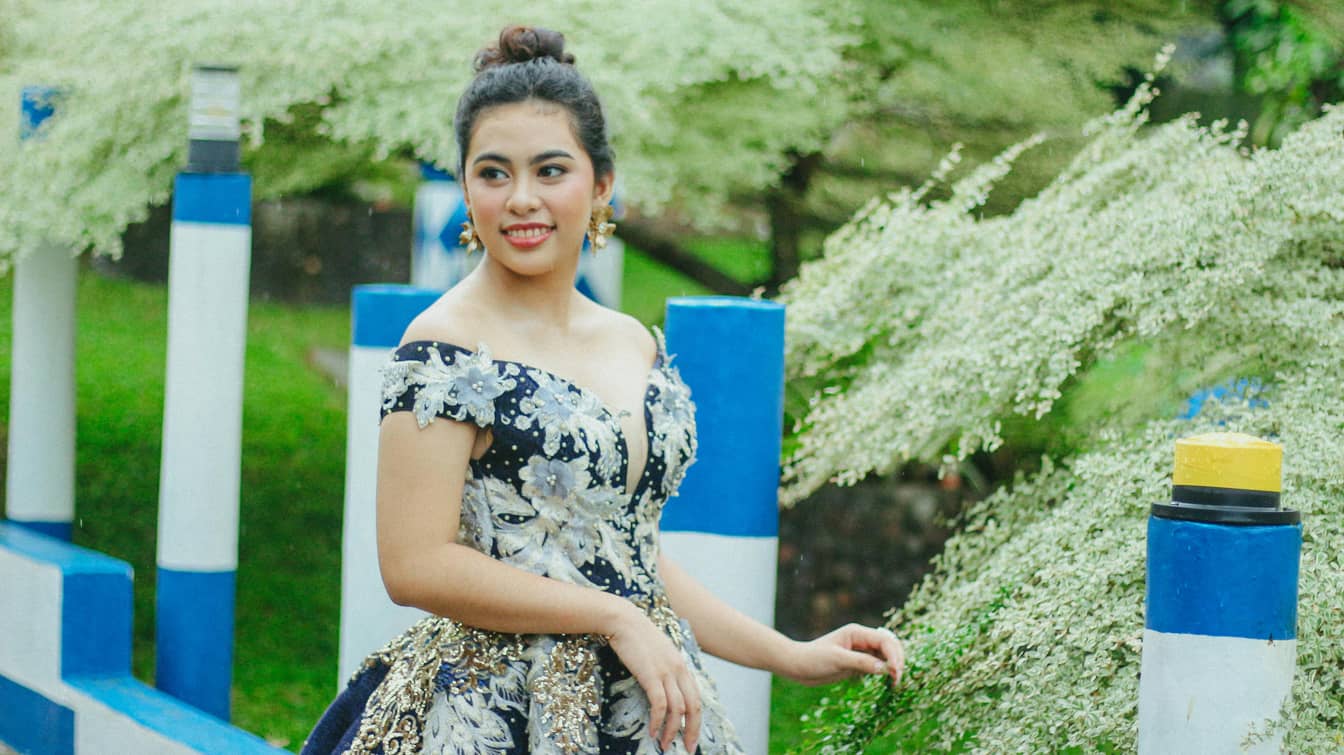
(468, 237)
(600, 227)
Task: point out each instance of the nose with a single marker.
(523, 199)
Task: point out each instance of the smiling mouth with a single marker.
(529, 233)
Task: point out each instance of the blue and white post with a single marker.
(40, 483)
(369, 618)
(1220, 645)
(723, 528)
(437, 260)
(209, 261)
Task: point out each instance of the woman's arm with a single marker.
(421, 475)
(727, 633)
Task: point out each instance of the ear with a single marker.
(603, 188)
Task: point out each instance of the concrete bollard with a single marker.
(40, 484)
(379, 315)
(1220, 643)
(723, 528)
(437, 261)
(210, 249)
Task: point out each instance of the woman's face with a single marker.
(530, 187)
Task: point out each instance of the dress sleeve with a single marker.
(441, 380)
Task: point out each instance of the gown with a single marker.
(548, 496)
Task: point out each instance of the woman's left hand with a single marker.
(848, 651)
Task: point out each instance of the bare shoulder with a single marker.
(453, 318)
(625, 330)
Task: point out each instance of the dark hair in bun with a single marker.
(519, 44)
(530, 63)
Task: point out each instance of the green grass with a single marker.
(291, 498)
(293, 457)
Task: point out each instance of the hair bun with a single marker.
(519, 44)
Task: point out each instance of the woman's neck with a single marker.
(548, 298)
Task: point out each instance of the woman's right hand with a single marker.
(660, 669)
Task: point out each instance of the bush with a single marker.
(924, 328)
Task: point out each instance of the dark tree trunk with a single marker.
(785, 207)
(668, 252)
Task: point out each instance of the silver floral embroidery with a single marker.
(561, 409)
(562, 520)
(673, 419)
(463, 388)
(544, 499)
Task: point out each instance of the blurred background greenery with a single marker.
(923, 77)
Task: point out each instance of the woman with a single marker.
(530, 438)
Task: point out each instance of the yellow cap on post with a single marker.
(1229, 460)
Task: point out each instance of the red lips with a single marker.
(527, 235)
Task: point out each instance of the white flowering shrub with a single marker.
(755, 79)
(925, 326)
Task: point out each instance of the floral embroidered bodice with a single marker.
(551, 495)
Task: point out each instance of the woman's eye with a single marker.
(551, 171)
(492, 174)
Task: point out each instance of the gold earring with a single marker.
(600, 227)
(468, 237)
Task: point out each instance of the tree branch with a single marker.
(659, 247)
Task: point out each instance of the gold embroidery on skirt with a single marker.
(569, 692)
(568, 688)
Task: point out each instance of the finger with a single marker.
(690, 734)
(867, 639)
(676, 712)
(881, 643)
(893, 651)
(863, 663)
(657, 707)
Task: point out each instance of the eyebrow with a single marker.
(541, 158)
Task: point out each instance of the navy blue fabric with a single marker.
(553, 494)
(336, 730)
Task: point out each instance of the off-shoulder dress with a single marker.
(552, 495)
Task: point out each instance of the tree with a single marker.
(924, 328)
(922, 76)
(1291, 55)
(382, 77)
(793, 111)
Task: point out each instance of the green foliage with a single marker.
(924, 327)
(985, 75)
(708, 101)
(1291, 55)
(755, 81)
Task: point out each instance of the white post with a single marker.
(1220, 630)
(723, 527)
(600, 274)
(379, 315)
(209, 260)
(437, 260)
(40, 483)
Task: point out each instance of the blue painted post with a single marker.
(1220, 642)
(379, 315)
(437, 261)
(723, 528)
(40, 484)
(209, 261)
